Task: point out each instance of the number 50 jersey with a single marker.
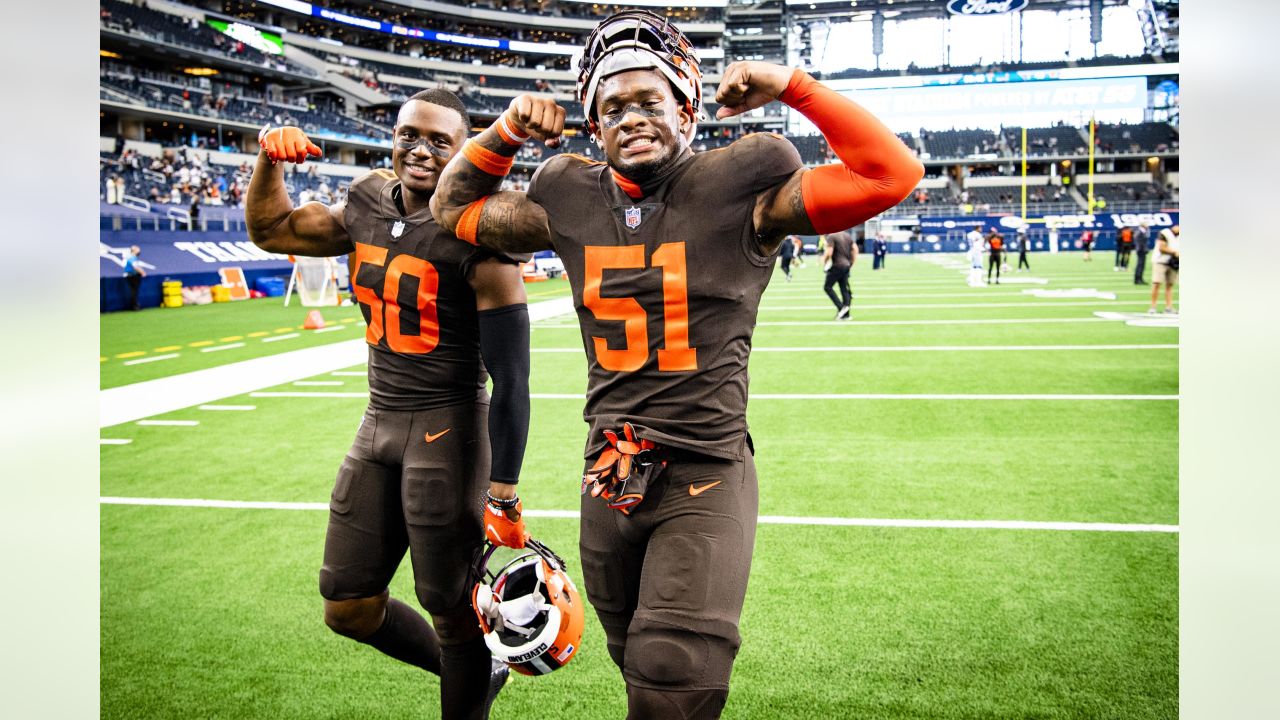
(667, 288)
(409, 276)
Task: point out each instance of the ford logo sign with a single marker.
(985, 7)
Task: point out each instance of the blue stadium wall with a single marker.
(194, 258)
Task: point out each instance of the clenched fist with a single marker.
(748, 85)
(287, 143)
(538, 117)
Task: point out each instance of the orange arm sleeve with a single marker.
(876, 170)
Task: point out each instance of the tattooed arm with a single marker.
(467, 201)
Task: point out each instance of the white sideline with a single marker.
(935, 306)
(783, 396)
(763, 519)
(918, 348)
(155, 397)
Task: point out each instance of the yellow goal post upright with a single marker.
(1092, 204)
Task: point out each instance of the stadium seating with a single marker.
(959, 143)
(163, 27)
(1142, 137)
(1056, 140)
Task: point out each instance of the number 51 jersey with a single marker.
(409, 276)
(667, 288)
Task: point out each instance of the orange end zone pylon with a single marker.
(314, 321)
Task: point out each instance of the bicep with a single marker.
(497, 283)
(780, 210)
(313, 229)
(511, 222)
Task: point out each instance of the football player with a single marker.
(667, 252)
(838, 258)
(415, 476)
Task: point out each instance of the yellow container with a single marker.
(171, 301)
(221, 293)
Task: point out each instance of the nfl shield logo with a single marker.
(632, 217)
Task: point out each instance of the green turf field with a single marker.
(214, 612)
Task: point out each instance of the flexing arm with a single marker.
(876, 170)
(467, 201)
(274, 223)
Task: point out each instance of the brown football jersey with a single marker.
(842, 250)
(667, 289)
(409, 276)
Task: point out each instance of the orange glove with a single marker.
(504, 527)
(287, 143)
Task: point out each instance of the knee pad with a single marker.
(456, 625)
(667, 656)
(650, 704)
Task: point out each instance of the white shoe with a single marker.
(843, 313)
(1151, 311)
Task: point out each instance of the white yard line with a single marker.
(908, 396)
(349, 373)
(153, 358)
(216, 348)
(277, 338)
(114, 441)
(933, 306)
(920, 348)
(316, 394)
(170, 423)
(763, 519)
(856, 323)
(154, 397)
(229, 407)
(331, 328)
(329, 383)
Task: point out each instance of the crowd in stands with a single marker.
(182, 177)
(140, 21)
(225, 99)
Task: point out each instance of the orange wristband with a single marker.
(507, 131)
(486, 160)
(469, 223)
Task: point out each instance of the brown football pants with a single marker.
(668, 583)
(396, 491)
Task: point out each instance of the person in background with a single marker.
(1165, 270)
(974, 238)
(1141, 244)
(1086, 242)
(133, 274)
(995, 245)
(787, 252)
(879, 249)
(838, 260)
(1124, 246)
(798, 246)
(1024, 246)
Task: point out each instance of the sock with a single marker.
(464, 680)
(408, 637)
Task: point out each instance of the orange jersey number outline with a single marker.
(676, 356)
(428, 336)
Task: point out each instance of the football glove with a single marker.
(500, 528)
(621, 474)
(287, 143)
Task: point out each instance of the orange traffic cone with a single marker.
(314, 321)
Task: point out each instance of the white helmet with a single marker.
(530, 611)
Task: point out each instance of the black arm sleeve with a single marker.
(504, 346)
